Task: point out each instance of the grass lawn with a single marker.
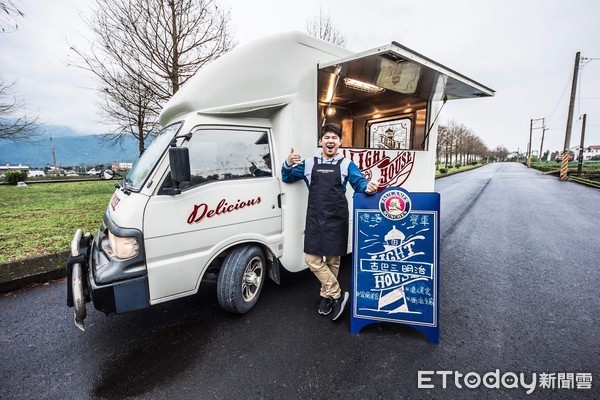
(41, 219)
(451, 171)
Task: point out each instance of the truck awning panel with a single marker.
(396, 69)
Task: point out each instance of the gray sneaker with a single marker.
(339, 305)
(325, 306)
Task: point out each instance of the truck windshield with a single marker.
(143, 167)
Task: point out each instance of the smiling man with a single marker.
(326, 229)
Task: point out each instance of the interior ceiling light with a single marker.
(331, 88)
(363, 86)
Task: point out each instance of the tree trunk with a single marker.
(141, 138)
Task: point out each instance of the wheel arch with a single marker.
(214, 263)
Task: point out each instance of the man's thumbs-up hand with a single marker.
(293, 159)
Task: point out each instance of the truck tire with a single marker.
(241, 279)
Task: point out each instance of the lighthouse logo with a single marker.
(394, 205)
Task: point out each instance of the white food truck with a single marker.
(206, 198)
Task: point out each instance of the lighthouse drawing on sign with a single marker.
(391, 285)
(393, 239)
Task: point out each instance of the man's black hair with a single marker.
(333, 128)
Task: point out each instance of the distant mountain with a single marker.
(74, 150)
(57, 131)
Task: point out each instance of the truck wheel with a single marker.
(241, 279)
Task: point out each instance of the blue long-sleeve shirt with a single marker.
(349, 172)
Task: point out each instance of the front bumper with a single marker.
(116, 297)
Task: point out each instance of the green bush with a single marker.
(13, 177)
(457, 166)
(443, 170)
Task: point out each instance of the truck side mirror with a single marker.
(107, 174)
(179, 160)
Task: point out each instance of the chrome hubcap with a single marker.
(253, 276)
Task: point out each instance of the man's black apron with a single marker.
(326, 230)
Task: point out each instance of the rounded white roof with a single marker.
(267, 71)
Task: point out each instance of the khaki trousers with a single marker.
(326, 270)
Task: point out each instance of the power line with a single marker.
(560, 97)
(583, 62)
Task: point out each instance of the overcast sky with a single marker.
(523, 49)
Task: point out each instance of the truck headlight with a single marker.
(123, 247)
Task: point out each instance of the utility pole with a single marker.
(565, 159)
(529, 144)
(53, 156)
(531, 128)
(544, 129)
(580, 158)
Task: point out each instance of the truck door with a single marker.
(232, 198)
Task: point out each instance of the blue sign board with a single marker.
(396, 260)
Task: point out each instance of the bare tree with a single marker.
(9, 16)
(144, 50)
(442, 140)
(15, 125)
(477, 149)
(458, 141)
(500, 153)
(448, 137)
(322, 27)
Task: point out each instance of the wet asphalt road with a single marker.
(519, 293)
